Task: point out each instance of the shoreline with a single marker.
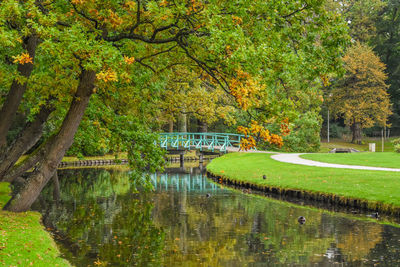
(313, 198)
(308, 184)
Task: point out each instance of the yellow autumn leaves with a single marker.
(247, 90)
(109, 75)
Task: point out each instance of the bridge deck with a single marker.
(223, 142)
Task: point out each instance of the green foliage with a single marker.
(396, 143)
(304, 136)
(337, 131)
(360, 15)
(132, 48)
(387, 46)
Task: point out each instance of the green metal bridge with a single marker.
(223, 142)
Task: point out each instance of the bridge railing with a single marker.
(209, 141)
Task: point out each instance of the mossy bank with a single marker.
(365, 190)
(23, 239)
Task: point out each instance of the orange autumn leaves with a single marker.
(108, 17)
(22, 59)
(257, 131)
(248, 91)
(129, 60)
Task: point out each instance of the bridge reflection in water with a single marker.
(178, 179)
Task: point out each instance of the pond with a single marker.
(99, 220)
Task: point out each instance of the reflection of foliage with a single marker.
(103, 221)
(119, 228)
(234, 228)
(254, 231)
(356, 242)
(102, 183)
(387, 250)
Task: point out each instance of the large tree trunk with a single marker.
(25, 165)
(202, 126)
(16, 92)
(25, 141)
(171, 125)
(54, 154)
(183, 123)
(356, 129)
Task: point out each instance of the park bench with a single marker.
(343, 150)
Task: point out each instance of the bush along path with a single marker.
(358, 189)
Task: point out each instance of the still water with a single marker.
(100, 220)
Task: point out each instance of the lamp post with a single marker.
(328, 124)
(327, 105)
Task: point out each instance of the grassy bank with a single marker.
(385, 159)
(378, 189)
(108, 156)
(23, 240)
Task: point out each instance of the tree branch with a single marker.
(296, 11)
(204, 67)
(96, 23)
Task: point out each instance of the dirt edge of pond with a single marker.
(103, 162)
(331, 200)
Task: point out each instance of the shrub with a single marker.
(305, 134)
(396, 143)
(337, 131)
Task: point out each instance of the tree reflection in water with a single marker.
(102, 220)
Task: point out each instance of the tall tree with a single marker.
(13, 25)
(189, 94)
(387, 46)
(104, 46)
(361, 16)
(361, 97)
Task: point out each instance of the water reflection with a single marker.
(189, 221)
(100, 221)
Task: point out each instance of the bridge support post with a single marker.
(181, 159)
(201, 158)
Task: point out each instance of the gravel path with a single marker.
(295, 159)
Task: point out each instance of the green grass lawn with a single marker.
(23, 240)
(374, 186)
(385, 159)
(338, 143)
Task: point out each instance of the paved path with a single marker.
(295, 159)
